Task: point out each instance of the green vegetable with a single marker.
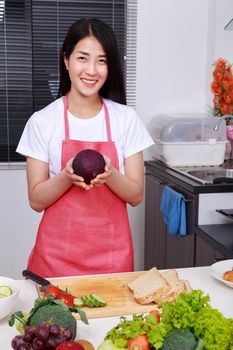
(93, 300)
(215, 330)
(180, 339)
(5, 291)
(54, 314)
(48, 309)
(108, 345)
(191, 311)
(78, 302)
(139, 324)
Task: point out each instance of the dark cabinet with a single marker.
(161, 248)
(206, 254)
(203, 245)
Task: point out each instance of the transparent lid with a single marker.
(188, 128)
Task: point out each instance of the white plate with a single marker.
(217, 270)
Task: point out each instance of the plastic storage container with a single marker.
(189, 140)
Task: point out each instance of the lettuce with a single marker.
(192, 311)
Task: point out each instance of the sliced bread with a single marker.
(173, 292)
(146, 286)
(171, 276)
(155, 286)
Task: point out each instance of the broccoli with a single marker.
(180, 339)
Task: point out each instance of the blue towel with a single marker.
(174, 211)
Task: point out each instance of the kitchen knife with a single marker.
(36, 278)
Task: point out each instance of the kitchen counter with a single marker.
(199, 278)
(173, 174)
(219, 236)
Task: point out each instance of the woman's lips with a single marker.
(89, 82)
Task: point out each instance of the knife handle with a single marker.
(35, 278)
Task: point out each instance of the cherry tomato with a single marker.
(67, 298)
(53, 290)
(139, 343)
(156, 315)
(69, 345)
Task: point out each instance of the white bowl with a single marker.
(7, 304)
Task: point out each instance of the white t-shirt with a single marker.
(43, 134)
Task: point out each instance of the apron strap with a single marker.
(65, 103)
(107, 120)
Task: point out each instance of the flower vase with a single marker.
(229, 147)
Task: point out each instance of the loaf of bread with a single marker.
(155, 286)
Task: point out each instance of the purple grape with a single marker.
(16, 341)
(42, 333)
(37, 344)
(24, 346)
(51, 342)
(54, 329)
(67, 333)
(60, 339)
(28, 337)
(30, 330)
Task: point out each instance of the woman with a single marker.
(85, 228)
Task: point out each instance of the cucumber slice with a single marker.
(78, 302)
(5, 290)
(93, 300)
(3, 296)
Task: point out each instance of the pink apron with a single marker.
(84, 232)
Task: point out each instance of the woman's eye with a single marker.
(103, 61)
(82, 59)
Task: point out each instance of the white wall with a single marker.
(177, 44)
(171, 73)
(18, 223)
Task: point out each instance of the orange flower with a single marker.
(222, 88)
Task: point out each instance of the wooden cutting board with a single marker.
(112, 287)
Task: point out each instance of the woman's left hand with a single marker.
(100, 179)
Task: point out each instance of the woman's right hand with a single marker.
(77, 180)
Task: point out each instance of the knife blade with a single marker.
(43, 282)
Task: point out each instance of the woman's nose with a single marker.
(91, 68)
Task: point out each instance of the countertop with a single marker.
(169, 173)
(199, 278)
(219, 236)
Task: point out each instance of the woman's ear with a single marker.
(66, 61)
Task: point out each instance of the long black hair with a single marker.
(113, 87)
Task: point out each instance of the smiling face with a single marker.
(87, 66)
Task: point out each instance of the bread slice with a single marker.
(155, 286)
(149, 284)
(171, 276)
(173, 292)
(188, 287)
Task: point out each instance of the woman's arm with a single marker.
(128, 187)
(42, 190)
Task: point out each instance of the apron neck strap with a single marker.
(65, 104)
(107, 120)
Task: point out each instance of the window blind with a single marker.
(31, 35)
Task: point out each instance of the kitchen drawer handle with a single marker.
(189, 200)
